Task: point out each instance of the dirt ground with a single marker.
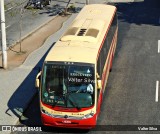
(15, 58)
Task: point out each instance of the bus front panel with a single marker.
(68, 94)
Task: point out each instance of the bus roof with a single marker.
(83, 38)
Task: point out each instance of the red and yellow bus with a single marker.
(75, 71)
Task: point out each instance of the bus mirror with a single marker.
(97, 75)
(38, 80)
(99, 84)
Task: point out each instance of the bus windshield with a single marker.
(71, 86)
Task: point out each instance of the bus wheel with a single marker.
(110, 70)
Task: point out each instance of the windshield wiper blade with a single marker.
(55, 103)
(66, 98)
(74, 104)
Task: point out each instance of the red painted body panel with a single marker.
(69, 123)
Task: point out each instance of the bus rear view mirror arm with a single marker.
(37, 83)
(99, 84)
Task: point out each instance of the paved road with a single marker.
(130, 95)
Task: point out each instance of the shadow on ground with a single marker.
(139, 13)
(58, 10)
(22, 97)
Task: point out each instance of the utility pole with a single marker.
(3, 30)
(87, 2)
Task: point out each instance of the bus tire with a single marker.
(110, 70)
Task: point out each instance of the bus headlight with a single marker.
(90, 115)
(44, 111)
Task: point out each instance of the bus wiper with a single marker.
(55, 103)
(74, 104)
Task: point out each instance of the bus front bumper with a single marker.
(88, 123)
